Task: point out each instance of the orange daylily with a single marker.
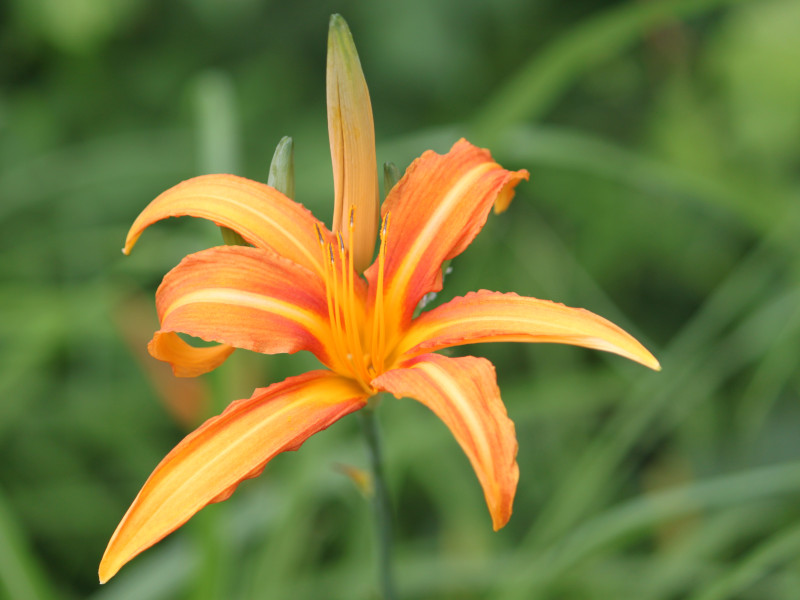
(296, 288)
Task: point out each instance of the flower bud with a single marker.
(352, 139)
(281, 169)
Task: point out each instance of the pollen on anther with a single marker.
(385, 225)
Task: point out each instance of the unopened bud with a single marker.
(352, 139)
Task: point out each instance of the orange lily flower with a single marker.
(296, 288)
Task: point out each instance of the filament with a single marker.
(379, 325)
(330, 285)
(337, 323)
(346, 322)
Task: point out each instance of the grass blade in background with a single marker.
(532, 92)
(621, 523)
(21, 577)
(782, 547)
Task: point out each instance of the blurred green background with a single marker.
(663, 140)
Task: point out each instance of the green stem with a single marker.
(381, 504)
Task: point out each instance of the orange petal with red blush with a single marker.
(187, 360)
(435, 211)
(259, 213)
(496, 317)
(463, 393)
(236, 445)
(248, 298)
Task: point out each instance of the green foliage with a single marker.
(663, 140)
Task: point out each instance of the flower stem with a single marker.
(381, 505)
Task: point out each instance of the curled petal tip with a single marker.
(652, 362)
(499, 522)
(507, 193)
(130, 242)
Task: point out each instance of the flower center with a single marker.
(358, 338)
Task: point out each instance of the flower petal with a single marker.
(463, 393)
(496, 317)
(435, 211)
(187, 360)
(248, 298)
(260, 214)
(236, 445)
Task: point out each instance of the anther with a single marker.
(385, 225)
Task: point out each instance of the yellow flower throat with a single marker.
(359, 345)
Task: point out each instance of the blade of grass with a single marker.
(133, 159)
(680, 565)
(21, 576)
(274, 562)
(636, 516)
(563, 148)
(530, 93)
(162, 574)
(217, 123)
(780, 548)
(773, 374)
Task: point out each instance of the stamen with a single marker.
(379, 325)
(342, 305)
(384, 227)
(336, 318)
(330, 284)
